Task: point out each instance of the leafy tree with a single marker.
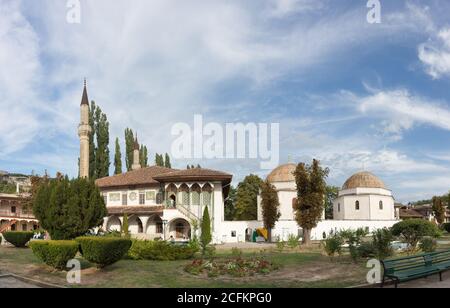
(92, 145)
(230, 205)
(129, 148)
(159, 160)
(143, 156)
(332, 193)
(413, 230)
(167, 163)
(205, 236)
(439, 209)
(117, 159)
(7, 188)
(247, 198)
(69, 208)
(311, 190)
(270, 207)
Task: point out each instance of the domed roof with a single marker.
(283, 173)
(364, 180)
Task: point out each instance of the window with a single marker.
(206, 198)
(339, 207)
(357, 205)
(13, 209)
(195, 198)
(185, 196)
(381, 205)
(233, 233)
(124, 199)
(150, 195)
(141, 198)
(159, 227)
(105, 198)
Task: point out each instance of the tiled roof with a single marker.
(194, 174)
(120, 210)
(363, 180)
(142, 176)
(410, 213)
(283, 173)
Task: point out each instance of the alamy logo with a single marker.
(234, 141)
(74, 274)
(374, 14)
(74, 13)
(374, 274)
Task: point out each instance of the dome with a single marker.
(364, 180)
(283, 173)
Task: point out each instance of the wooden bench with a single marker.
(415, 267)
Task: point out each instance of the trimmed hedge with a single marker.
(55, 253)
(161, 251)
(103, 251)
(18, 239)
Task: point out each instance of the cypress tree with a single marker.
(311, 190)
(205, 237)
(143, 156)
(117, 159)
(102, 160)
(92, 146)
(270, 207)
(247, 198)
(129, 148)
(125, 226)
(167, 163)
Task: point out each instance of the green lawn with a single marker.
(298, 269)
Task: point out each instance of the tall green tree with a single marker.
(167, 163)
(331, 195)
(129, 148)
(230, 205)
(270, 206)
(125, 226)
(143, 156)
(92, 145)
(247, 198)
(205, 236)
(68, 208)
(117, 159)
(439, 209)
(159, 160)
(311, 190)
(102, 159)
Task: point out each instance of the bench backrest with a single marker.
(441, 257)
(415, 262)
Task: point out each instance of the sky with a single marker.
(357, 96)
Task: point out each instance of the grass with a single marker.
(298, 269)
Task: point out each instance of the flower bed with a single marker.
(234, 267)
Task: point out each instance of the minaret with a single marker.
(136, 161)
(84, 130)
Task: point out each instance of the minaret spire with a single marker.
(84, 131)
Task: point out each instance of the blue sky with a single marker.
(352, 94)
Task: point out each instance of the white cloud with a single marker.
(19, 69)
(435, 54)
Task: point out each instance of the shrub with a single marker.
(55, 253)
(381, 241)
(366, 250)
(353, 238)
(413, 230)
(161, 250)
(293, 241)
(18, 239)
(446, 227)
(281, 245)
(428, 244)
(333, 245)
(103, 251)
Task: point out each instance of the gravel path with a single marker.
(9, 282)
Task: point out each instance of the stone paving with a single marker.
(9, 282)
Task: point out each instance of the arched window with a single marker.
(357, 205)
(381, 205)
(339, 207)
(294, 203)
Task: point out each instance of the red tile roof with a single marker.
(196, 174)
(142, 176)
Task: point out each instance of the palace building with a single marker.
(168, 204)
